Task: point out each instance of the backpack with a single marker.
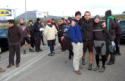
(111, 21)
(113, 26)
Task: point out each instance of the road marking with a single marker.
(2, 60)
(22, 56)
(33, 70)
(17, 71)
(24, 67)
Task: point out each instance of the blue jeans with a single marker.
(51, 44)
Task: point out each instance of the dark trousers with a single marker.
(51, 44)
(71, 53)
(42, 40)
(61, 43)
(117, 46)
(32, 41)
(14, 49)
(37, 44)
(112, 59)
(98, 54)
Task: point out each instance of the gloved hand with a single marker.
(41, 29)
(113, 43)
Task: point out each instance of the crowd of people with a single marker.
(77, 35)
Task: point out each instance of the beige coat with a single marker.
(50, 32)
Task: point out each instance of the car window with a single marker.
(122, 24)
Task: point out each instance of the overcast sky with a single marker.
(65, 7)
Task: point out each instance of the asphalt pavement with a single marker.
(41, 67)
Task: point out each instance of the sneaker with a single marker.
(109, 63)
(102, 69)
(90, 67)
(78, 72)
(50, 54)
(96, 68)
(83, 62)
(40, 50)
(9, 66)
(53, 53)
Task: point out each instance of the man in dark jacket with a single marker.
(87, 30)
(112, 27)
(14, 39)
(37, 35)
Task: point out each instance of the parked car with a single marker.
(5, 15)
(3, 36)
(3, 40)
(122, 26)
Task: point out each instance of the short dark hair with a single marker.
(63, 19)
(11, 21)
(38, 19)
(78, 13)
(53, 19)
(30, 20)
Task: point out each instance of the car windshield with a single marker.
(122, 24)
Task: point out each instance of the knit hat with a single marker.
(49, 21)
(78, 13)
(97, 16)
(108, 13)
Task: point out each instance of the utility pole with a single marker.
(25, 10)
